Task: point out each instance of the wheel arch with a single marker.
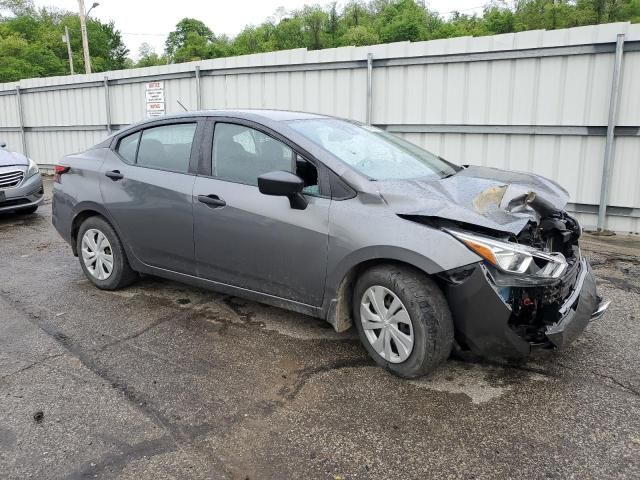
(81, 213)
(341, 283)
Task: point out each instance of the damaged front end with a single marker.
(533, 289)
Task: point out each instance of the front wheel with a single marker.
(102, 256)
(403, 320)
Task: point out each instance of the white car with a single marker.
(20, 182)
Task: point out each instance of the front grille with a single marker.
(11, 179)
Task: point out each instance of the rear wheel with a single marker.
(403, 320)
(102, 256)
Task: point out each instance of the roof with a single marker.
(250, 114)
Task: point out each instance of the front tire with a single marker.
(403, 320)
(102, 257)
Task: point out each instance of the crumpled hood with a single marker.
(482, 196)
(8, 158)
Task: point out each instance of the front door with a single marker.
(147, 189)
(254, 241)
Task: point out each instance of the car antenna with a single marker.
(180, 103)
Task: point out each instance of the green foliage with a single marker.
(147, 57)
(188, 41)
(359, 35)
(402, 20)
(31, 42)
(31, 45)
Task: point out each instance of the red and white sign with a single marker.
(154, 96)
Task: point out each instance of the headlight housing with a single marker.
(512, 257)
(32, 169)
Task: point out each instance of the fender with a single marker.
(86, 206)
(377, 252)
(337, 298)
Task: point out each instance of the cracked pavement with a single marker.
(163, 380)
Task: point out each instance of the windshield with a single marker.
(371, 151)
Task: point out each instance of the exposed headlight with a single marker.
(512, 257)
(33, 168)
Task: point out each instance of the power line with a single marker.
(462, 10)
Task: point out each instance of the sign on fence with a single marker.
(154, 96)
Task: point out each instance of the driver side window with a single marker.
(241, 154)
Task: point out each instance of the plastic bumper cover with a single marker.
(28, 194)
(481, 316)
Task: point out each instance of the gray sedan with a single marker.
(20, 182)
(338, 220)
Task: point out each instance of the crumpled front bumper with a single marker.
(27, 194)
(482, 316)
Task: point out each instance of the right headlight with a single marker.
(512, 257)
(32, 169)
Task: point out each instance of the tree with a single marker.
(359, 36)
(402, 20)
(313, 19)
(188, 30)
(147, 57)
(31, 42)
(333, 24)
(17, 7)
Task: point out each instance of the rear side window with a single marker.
(167, 147)
(128, 146)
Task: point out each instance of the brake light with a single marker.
(58, 171)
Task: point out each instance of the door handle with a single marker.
(115, 175)
(212, 201)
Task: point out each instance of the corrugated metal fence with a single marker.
(563, 103)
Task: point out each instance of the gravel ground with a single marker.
(162, 380)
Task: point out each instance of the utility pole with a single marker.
(85, 39)
(67, 40)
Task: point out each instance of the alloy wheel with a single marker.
(97, 254)
(386, 324)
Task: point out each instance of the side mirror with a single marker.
(283, 184)
(3, 144)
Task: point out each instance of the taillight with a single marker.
(58, 171)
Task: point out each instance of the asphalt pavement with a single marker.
(162, 380)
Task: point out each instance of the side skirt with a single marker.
(231, 290)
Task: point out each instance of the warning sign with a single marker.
(154, 97)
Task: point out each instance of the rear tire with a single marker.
(102, 256)
(427, 330)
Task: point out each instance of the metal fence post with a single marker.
(107, 103)
(198, 96)
(21, 120)
(609, 149)
(369, 86)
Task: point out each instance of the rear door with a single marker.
(147, 188)
(251, 240)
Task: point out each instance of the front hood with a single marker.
(8, 158)
(486, 197)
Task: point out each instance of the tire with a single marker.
(430, 324)
(120, 274)
(28, 211)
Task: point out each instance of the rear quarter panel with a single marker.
(77, 190)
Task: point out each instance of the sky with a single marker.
(151, 20)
